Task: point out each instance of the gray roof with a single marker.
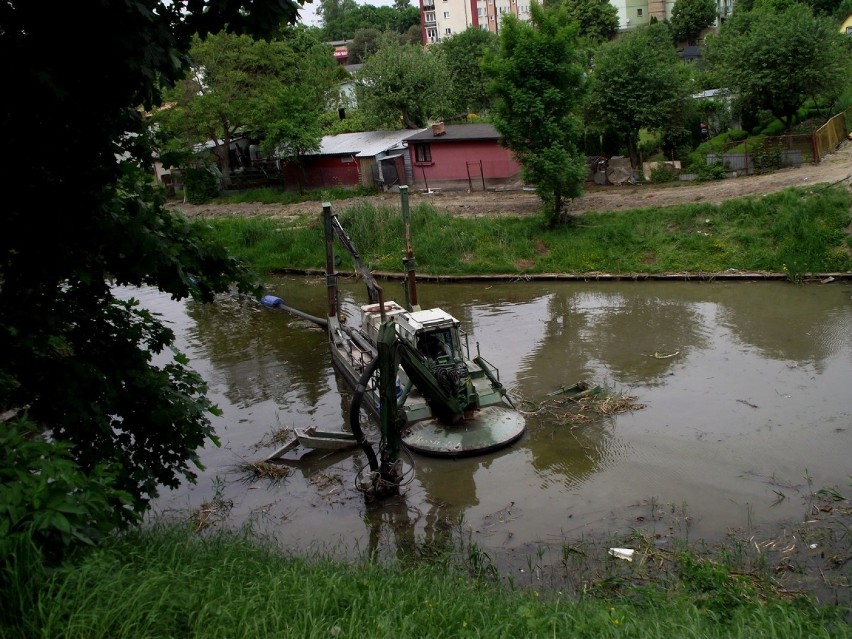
(362, 144)
(456, 133)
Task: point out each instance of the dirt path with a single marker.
(836, 167)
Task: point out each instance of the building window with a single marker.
(430, 16)
(448, 31)
(432, 33)
(848, 30)
(638, 13)
(480, 12)
(422, 153)
(446, 15)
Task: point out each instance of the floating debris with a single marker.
(256, 470)
(211, 513)
(581, 402)
(659, 356)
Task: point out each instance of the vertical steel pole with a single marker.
(408, 258)
(330, 273)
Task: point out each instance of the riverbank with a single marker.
(795, 234)
(167, 582)
(836, 168)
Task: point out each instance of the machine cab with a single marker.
(433, 332)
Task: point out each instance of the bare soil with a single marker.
(835, 168)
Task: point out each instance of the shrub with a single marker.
(776, 127)
(737, 135)
(663, 173)
(767, 160)
(706, 172)
(201, 186)
(49, 505)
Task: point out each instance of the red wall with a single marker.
(449, 163)
(322, 172)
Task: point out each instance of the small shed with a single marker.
(461, 156)
(367, 158)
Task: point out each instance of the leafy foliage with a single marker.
(275, 88)
(598, 20)
(200, 185)
(689, 17)
(464, 54)
(364, 44)
(48, 503)
(638, 82)
(538, 85)
(403, 82)
(342, 19)
(779, 55)
(95, 373)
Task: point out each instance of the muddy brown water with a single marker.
(745, 391)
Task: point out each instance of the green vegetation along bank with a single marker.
(794, 233)
(168, 582)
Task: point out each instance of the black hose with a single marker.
(355, 414)
(311, 318)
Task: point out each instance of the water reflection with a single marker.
(746, 386)
(259, 356)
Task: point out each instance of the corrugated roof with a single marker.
(362, 144)
(457, 132)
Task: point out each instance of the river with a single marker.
(743, 409)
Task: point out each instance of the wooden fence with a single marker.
(788, 150)
(832, 133)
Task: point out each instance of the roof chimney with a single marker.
(438, 129)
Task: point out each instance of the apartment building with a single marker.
(443, 18)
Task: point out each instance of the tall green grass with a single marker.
(166, 582)
(795, 232)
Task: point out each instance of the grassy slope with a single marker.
(795, 232)
(169, 583)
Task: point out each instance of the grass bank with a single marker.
(796, 232)
(167, 582)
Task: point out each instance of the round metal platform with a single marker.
(491, 428)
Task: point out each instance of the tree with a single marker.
(403, 81)
(776, 58)
(464, 54)
(365, 43)
(689, 17)
(638, 82)
(276, 89)
(93, 374)
(598, 19)
(343, 18)
(538, 84)
(335, 15)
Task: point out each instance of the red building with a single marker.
(463, 156)
(368, 158)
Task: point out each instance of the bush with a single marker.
(776, 127)
(201, 186)
(737, 135)
(663, 173)
(767, 160)
(706, 172)
(49, 505)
